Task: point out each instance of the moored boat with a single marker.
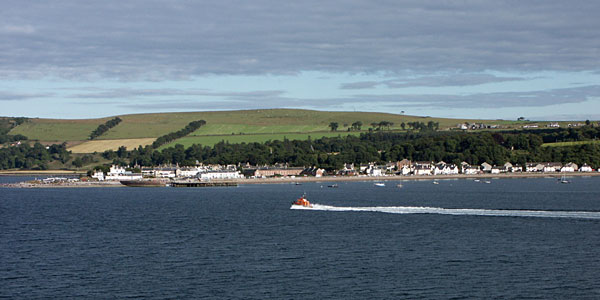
(144, 183)
(379, 184)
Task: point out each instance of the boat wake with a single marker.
(459, 211)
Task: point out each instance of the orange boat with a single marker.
(302, 202)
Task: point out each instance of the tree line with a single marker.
(102, 128)
(418, 126)
(167, 138)
(6, 124)
(332, 152)
(37, 156)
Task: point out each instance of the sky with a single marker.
(460, 59)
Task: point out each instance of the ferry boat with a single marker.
(301, 202)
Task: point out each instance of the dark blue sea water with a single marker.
(246, 242)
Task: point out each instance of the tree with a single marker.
(334, 126)
(403, 125)
(357, 125)
(77, 162)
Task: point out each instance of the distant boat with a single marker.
(476, 180)
(379, 184)
(563, 179)
(399, 185)
(298, 183)
(333, 185)
(487, 181)
(435, 182)
(145, 183)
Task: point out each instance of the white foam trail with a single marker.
(460, 211)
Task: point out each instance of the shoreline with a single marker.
(289, 180)
(409, 177)
(40, 172)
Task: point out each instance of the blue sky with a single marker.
(462, 59)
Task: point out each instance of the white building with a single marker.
(585, 168)
(224, 174)
(422, 170)
(187, 171)
(119, 173)
(98, 175)
(486, 168)
(570, 167)
(375, 171)
(552, 167)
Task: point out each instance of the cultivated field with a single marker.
(103, 145)
(565, 144)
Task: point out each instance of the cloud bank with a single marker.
(158, 40)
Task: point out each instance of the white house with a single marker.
(495, 170)
(486, 168)
(445, 169)
(422, 170)
(187, 172)
(119, 173)
(405, 170)
(534, 167)
(585, 168)
(552, 167)
(165, 172)
(223, 174)
(375, 171)
(98, 175)
(570, 167)
(516, 168)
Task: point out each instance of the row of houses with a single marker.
(404, 167)
(475, 126)
(206, 173)
(172, 172)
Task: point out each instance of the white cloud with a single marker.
(17, 29)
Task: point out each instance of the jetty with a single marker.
(202, 183)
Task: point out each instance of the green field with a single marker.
(233, 126)
(566, 144)
(57, 130)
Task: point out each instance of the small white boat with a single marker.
(563, 179)
(379, 184)
(435, 182)
(487, 181)
(476, 180)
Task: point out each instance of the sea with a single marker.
(531, 238)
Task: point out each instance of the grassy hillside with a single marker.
(233, 126)
(58, 130)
